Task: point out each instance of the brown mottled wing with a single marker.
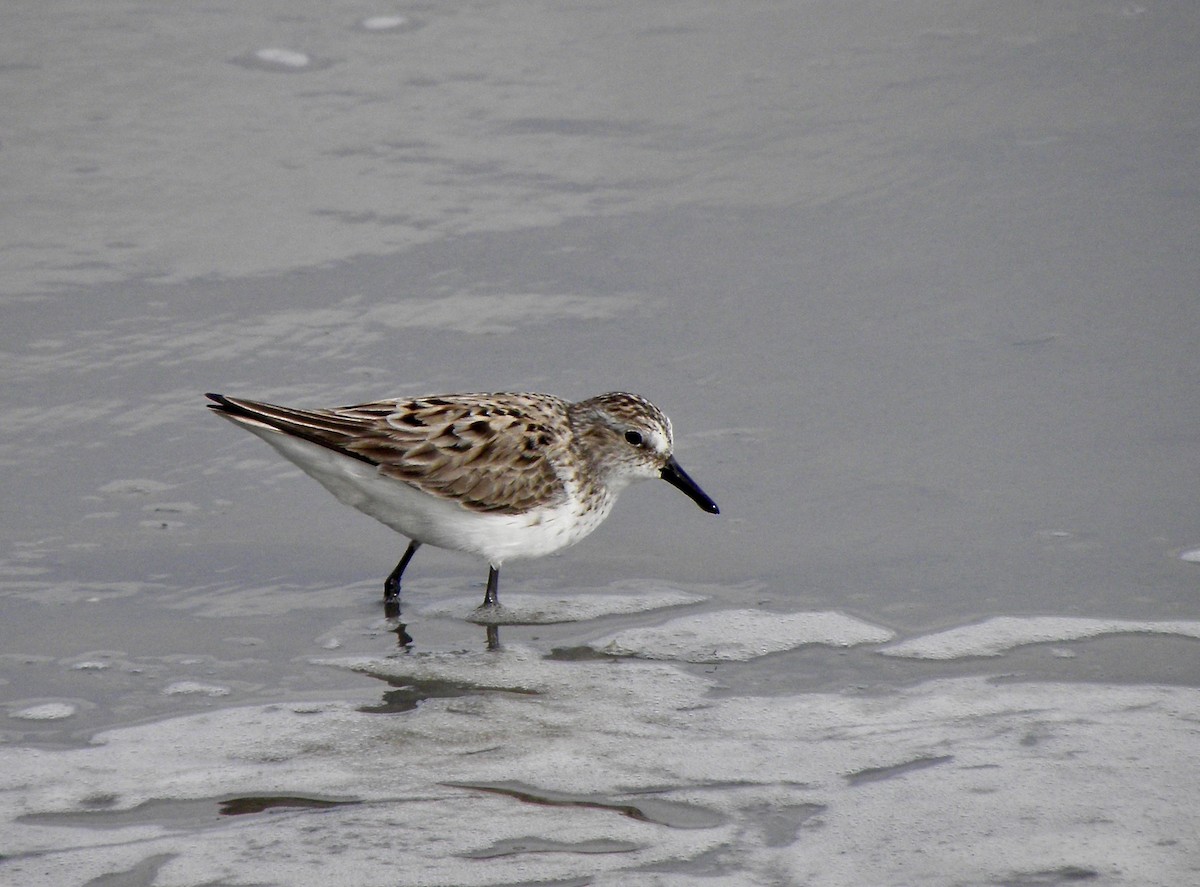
(492, 453)
(489, 452)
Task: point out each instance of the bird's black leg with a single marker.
(492, 598)
(391, 586)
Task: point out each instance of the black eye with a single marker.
(634, 438)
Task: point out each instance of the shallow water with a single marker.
(916, 284)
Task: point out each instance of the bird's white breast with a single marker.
(441, 522)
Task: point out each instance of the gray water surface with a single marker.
(915, 282)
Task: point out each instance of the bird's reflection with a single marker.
(404, 640)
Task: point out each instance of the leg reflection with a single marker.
(403, 638)
(391, 612)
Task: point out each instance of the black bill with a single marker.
(677, 477)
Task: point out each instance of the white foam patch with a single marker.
(194, 688)
(138, 486)
(994, 636)
(513, 669)
(1192, 556)
(281, 60)
(385, 23)
(75, 592)
(47, 711)
(740, 635)
(546, 609)
(287, 58)
(952, 782)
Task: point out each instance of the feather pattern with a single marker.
(491, 453)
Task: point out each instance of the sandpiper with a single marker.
(500, 476)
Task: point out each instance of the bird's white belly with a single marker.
(434, 521)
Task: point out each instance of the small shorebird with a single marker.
(501, 476)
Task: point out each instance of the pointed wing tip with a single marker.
(222, 404)
(232, 409)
